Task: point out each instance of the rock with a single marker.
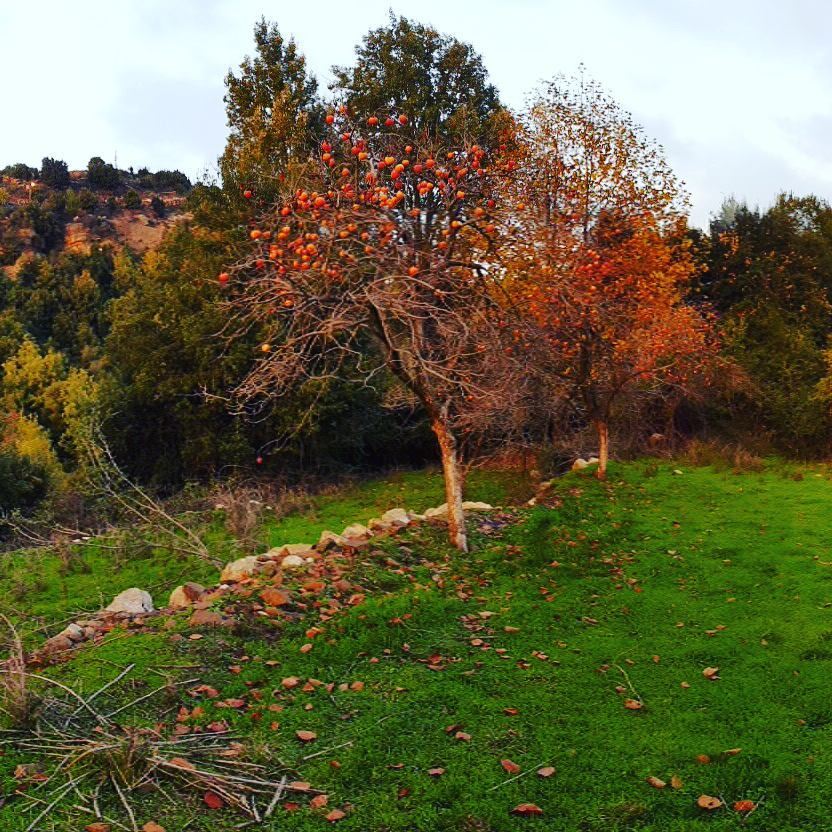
(292, 562)
(329, 539)
(376, 524)
(73, 632)
(301, 549)
(57, 644)
(206, 618)
(185, 595)
(239, 569)
(593, 460)
(396, 516)
(356, 531)
(133, 601)
(442, 511)
(579, 464)
(274, 597)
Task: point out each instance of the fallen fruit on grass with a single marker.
(707, 802)
(526, 809)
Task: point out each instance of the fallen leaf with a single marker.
(510, 711)
(150, 826)
(633, 704)
(436, 772)
(212, 800)
(744, 806)
(462, 736)
(703, 759)
(306, 736)
(705, 801)
(546, 771)
(526, 809)
(711, 673)
(655, 782)
(97, 827)
(319, 801)
(335, 815)
(510, 767)
(732, 752)
(676, 782)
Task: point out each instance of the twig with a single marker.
(326, 751)
(148, 695)
(281, 788)
(517, 776)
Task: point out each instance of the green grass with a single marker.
(658, 575)
(34, 584)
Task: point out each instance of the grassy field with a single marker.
(528, 650)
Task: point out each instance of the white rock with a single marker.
(356, 530)
(133, 601)
(292, 562)
(592, 460)
(467, 505)
(329, 538)
(73, 632)
(301, 549)
(239, 569)
(396, 516)
(579, 464)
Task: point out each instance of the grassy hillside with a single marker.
(528, 651)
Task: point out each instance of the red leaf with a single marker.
(212, 800)
(510, 767)
(306, 736)
(527, 809)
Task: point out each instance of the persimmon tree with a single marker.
(603, 259)
(389, 240)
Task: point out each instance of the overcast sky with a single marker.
(738, 91)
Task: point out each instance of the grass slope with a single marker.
(656, 577)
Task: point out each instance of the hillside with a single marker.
(647, 653)
(78, 213)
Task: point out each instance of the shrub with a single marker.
(54, 173)
(132, 200)
(23, 483)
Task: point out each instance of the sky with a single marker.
(739, 93)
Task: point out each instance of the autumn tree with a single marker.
(441, 82)
(383, 259)
(603, 256)
(273, 112)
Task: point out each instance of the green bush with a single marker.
(23, 484)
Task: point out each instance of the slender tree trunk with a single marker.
(453, 484)
(603, 447)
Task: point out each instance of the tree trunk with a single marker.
(453, 484)
(603, 447)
